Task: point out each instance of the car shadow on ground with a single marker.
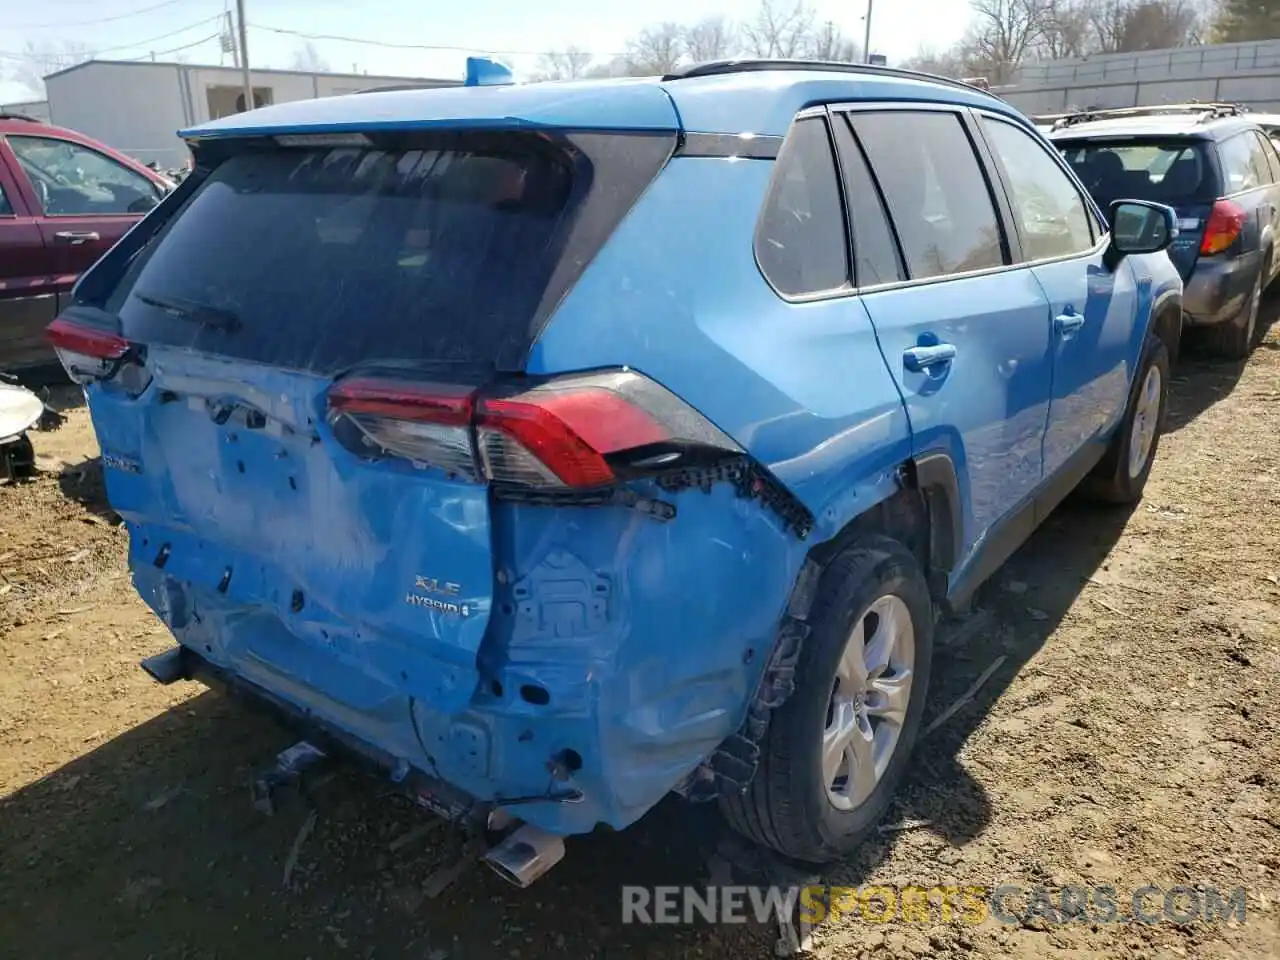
(147, 845)
(1200, 379)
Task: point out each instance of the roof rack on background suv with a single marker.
(717, 68)
(1208, 111)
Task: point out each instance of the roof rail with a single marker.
(717, 68)
(1208, 111)
(18, 116)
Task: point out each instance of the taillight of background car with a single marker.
(1225, 223)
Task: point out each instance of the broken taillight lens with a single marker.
(575, 432)
(91, 354)
(87, 354)
(425, 423)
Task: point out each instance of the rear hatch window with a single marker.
(319, 259)
(1172, 171)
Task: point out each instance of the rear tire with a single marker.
(1121, 474)
(811, 799)
(1233, 340)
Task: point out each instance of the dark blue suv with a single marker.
(559, 446)
(1217, 168)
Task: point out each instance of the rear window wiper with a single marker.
(201, 313)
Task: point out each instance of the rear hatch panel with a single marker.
(359, 587)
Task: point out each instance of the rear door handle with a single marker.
(918, 359)
(1068, 323)
(76, 237)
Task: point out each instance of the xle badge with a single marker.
(440, 588)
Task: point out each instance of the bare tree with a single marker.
(828, 43)
(615, 67)
(781, 28)
(1003, 33)
(1124, 26)
(570, 63)
(657, 50)
(41, 59)
(947, 63)
(1237, 20)
(308, 59)
(711, 39)
(1067, 30)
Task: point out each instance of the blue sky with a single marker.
(899, 28)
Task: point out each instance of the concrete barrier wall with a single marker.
(1247, 73)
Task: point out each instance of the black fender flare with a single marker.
(1165, 320)
(935, 476)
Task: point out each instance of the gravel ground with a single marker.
(1127, 736)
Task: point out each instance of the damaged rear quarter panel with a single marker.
(648, 638)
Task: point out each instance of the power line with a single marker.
(412, 46)
(87, 23)
(185, 46)
(163, 36)
(133, 45)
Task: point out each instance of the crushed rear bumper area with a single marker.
(441, 798)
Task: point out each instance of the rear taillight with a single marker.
(426, 423)
(575, 432)
(1225, 223)
(91, 354)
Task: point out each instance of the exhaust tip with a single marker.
(525, 855)
(168, 667)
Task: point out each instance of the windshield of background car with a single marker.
(1172, 171)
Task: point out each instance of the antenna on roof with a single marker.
(484, 72)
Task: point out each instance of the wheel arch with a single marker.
(1166, 321)
(924, 513)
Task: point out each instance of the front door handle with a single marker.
(1068, 323)
(918, 359)
(76, 237)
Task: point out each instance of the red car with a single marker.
(64, 200)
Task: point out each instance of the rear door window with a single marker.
(319, 259)
(801, 243)
(6, 208)
(875, 253)
(1172, 171)
(935, 188)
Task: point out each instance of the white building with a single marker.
(137, 107)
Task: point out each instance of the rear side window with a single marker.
(936, 191)
(1171, 171)
(6, 210)
(321, 259)
(1051, 214)
(875, 254)
(1269, 152)
(801, 244)
(1243, 165)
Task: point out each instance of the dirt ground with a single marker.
(1128, 736)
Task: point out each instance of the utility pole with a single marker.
(244, 56)
(866, 40)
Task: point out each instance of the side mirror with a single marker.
(1139, 226)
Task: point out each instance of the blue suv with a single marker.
(559, 446)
